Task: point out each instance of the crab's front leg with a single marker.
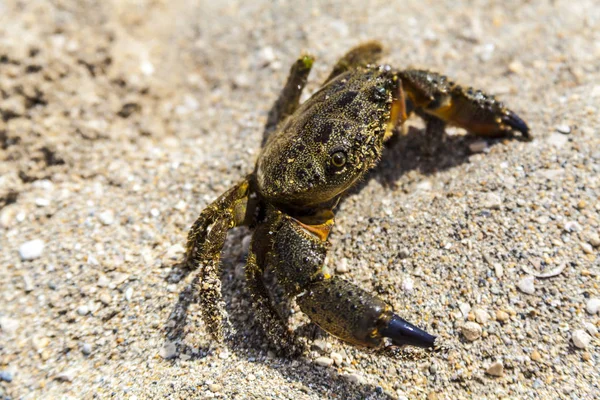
(439, 100)
(338, 306)
(205, 242)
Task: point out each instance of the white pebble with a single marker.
(106, 217)
(464, 309)
(337, 358)
(342, 267)
(591, 328)
(42, 202)
(498, 270)
(471, 331)
(563, 128)
(491, 201)
(581, 339)
(31, 250)
(86, 349)
(593, 306)
(355, 378)
(587, 248)
(525, 285)
(481, 316)
(408, 284)
(324, 361)
(128, 293)
(224, 355)
(83, 310)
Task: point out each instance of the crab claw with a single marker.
(403, 333)
(516, 123)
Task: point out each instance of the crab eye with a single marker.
(338, 159)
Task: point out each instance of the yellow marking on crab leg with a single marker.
(397, 113)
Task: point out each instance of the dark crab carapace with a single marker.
(312, 154)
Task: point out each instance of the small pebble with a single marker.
(498, 270)
(464, 309)
(319, 345)
(581, 339)
(471, 331)
(496, 369)
(213, 387)
(128, 293)
(563, 128)
(536, 356)
(105, 299)
(593, 306)
(337, 358)
(502, 316)
(593, 239)
(408, 284)
(66, 376)
(83, 310)
(355, 378)
(478, 146)
(591, 328)
(481, 316)
(224, 355)
(251, 377)
(403, 253)
(6, 376)
(324, 361)
(86, 349)
(31, 250)
(168, 351)
(587, 248)
(342, 267)
(106, 217)
(491, 201)
(525, 285)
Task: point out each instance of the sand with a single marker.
(121, 120)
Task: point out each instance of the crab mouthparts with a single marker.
(403, 333)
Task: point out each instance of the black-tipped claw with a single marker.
(516, 123)
(404, 333)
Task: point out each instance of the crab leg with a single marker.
(339, 307)
(289, 98)
(204, 245)
(436, 98)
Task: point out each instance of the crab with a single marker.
(312, 154)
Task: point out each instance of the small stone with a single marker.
(251, 377)
(42, 202)
(224, 355)
(86, 349)
(593, 306)
(481, 316)
(581, 339)
(433, 369)
(128, 293)
(478, 146)
(8, 325)
(593, 239)
(337, 358)
(355, 378)
(563, 128)
(471, 331)
(536, 356)
(31, 250)
(464, 309)
(408, 284)
(432, 396)
(342, 267)
(591, 328)
(496, 369)
(498, 270)
(319, 345)
(502, 316)
(168, 351)
(587, 248)
(491, 201)
(213, 387)
(585, 356)
(516, 67)
(403, 253)
(28, 285)
(525, 285)
(83, 310)
(6, 376)
(324, 361)
(106, 217)
(105, 298)
(66, 376)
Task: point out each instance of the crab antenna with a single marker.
(404, 333)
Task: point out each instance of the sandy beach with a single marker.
(121, 120)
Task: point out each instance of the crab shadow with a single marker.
(403, 154)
